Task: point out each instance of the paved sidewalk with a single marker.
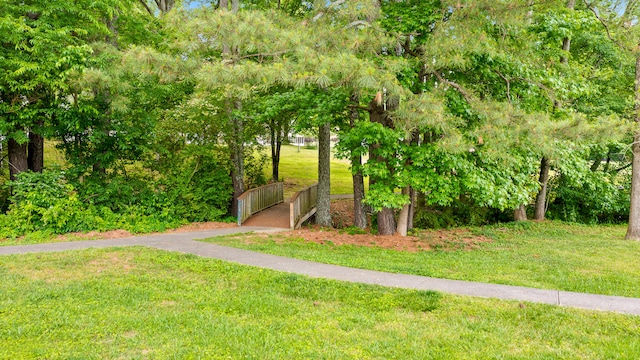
(186, 243)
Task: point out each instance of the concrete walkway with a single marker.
(186, 243)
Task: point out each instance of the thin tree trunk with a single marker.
(272, 142)
(276, 165)
(520, 214)
(224, 4)
(541, 199)
(323, 211)
(236, 146)
(17, 158)
(403, 217)
(413, 197)
(633, 230)
(359, 214)
(566, 42)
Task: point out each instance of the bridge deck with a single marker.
(275, 216)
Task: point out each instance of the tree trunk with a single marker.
(413, 196)
(541, 199)
(403, 217)
(237, 177)
(275, 161)
(405, 212)
(520, 214)
(323, 211)
(17, 158)
(224, 4)
(359, 214)
(566, 42)
(386, 222)
(633, 230)
(35, 153)
(236, 146)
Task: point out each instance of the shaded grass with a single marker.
(144, 303)
(548, 255)
(300, 169)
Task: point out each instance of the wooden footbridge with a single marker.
(265, 206)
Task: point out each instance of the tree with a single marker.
(619, 21)
(47, 44)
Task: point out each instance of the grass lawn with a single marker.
(300, 169)
(548, 255)
(149, 304)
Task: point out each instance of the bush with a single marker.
(461, 212)
(45, 203)
(595, 197)
(197, 187)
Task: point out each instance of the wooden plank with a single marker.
(305, 218)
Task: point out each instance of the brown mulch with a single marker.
(446, 240)
(342, 217)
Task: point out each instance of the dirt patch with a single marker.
(119, 234)
(198, 226)
(94, 235)
(123, 262)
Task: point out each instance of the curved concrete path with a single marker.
(186, 243)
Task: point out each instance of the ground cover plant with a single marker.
(150, 304)
(550, 255)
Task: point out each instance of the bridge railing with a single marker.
(258, 199)
(303, 205)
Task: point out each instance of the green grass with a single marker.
(549, 255)
(138, 303)
(300, 169)
(53, 157)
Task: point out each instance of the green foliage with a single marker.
(45, 203)
(581, 194)
(460, 212)
(255, 163)
(196, 186)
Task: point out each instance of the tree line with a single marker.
(445, 106)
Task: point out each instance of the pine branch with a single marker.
(356, 23)
(602, 22)
(465, 94)
(508, 85)
(550, 92)
(144, 3)
(263, 54)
